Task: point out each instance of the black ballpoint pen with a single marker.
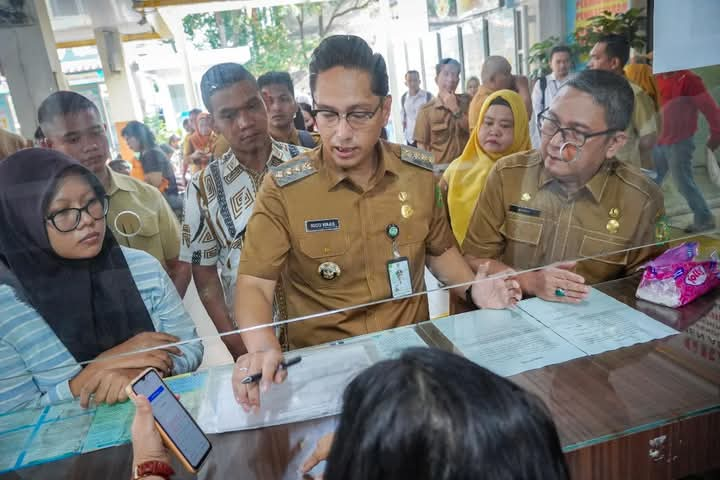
(283, 365)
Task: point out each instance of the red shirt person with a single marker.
(682, 96)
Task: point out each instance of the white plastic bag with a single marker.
(713, 168)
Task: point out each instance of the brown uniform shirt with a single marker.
(306, 214)
(524, 219)
(442, 132)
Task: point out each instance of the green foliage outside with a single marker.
(280, 38)
(631, 23)
(157, 125)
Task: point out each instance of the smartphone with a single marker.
(178, 429)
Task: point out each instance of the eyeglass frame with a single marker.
(541, 116)
(344, 116)
(106, 207)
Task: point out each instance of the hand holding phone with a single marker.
(178, 430)
(146, 440)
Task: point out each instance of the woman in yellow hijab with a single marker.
(501, 131)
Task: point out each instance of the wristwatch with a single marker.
(469, 300)
(153, 467)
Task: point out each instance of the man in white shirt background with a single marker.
(411, 102)
(547, 87)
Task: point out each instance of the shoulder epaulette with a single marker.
(292, 171)
(419, 158)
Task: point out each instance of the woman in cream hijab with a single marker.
(501, 131)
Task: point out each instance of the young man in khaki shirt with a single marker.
(611, 53)
(441, 127)
(567, 202)
(341, 223)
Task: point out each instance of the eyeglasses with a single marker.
(68, 219)
(357, 119)
(549, 128)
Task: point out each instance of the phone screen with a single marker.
(174, 419)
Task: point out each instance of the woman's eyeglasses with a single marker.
(68, 219)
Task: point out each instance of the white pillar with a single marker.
(122, 93)
(30, 63)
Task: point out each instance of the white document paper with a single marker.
(598, 324)
(506, 342)
(313, 389)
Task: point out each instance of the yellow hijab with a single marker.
(466, 175)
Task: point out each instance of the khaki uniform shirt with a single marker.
(525, 219)
(443, 133)
(141, 211)
(306, 215)
(644, 122)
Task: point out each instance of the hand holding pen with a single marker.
(255, 372)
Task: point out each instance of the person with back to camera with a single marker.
(428, 415)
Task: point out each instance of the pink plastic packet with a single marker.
(679, 276)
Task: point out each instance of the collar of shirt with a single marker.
(388, 164)
(118, 181)
(596, 185)
(278, 154)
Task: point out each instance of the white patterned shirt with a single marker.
(218, 204)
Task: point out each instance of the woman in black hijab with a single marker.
(61, 268)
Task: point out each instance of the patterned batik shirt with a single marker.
(218, 204)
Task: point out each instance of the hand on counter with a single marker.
(320, 454)
(556, 284)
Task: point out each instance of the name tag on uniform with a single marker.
(326, 225)
(399, 277)
(525, 210)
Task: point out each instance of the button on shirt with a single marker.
(442, 132)
(525, 219)
(411, 107)
(324, 218)
(140, 217)
(218, 205)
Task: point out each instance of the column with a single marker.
(122, 94)
(30, 63)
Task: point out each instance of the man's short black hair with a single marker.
(447, 61)
(350, 52)
(609, 90)
(276, 78)
(221, 76)
(412, 72)
(560, 49)
(64, 102)
(616, 46)
(195, 111)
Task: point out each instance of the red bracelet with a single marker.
(153, 467)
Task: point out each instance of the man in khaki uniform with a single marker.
(611, 53)
(561, 204)
(441, 127)
(352, 222)
(138, 215)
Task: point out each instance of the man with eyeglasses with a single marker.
(353, 222)
(572, 199)
(221, 197)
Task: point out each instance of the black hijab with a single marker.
(92, 304)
